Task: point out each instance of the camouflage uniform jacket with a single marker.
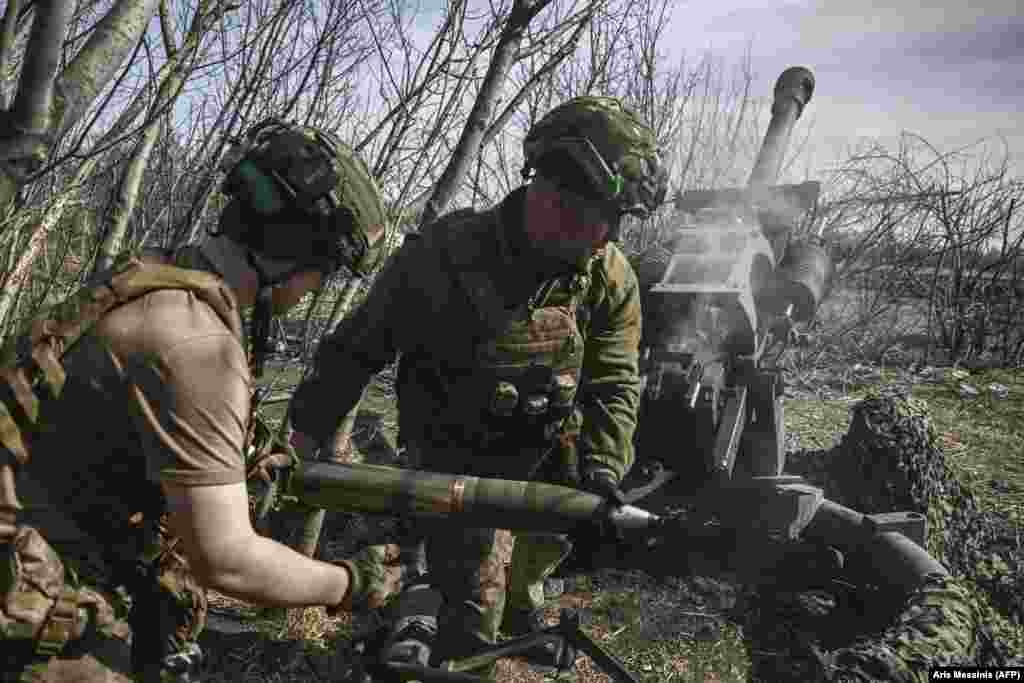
(419, 308)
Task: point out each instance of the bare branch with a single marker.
(8, 35)
(538, 77)
(32, 111)
(94, 65)
(167, 29)
(523, 12)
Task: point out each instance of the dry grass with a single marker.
(655, 630)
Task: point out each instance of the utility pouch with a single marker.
(35, 603)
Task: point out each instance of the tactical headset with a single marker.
(282, 167)
(286, 177)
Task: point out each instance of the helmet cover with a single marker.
(617, 152)
(302, 196)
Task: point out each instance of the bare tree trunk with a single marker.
(127, 196)
(19, 275)
(170, 82)
(341, 448)
(8, 36)
(46, 105)
(108, 45)
(523, 12)
(343, 306)
(32, 112)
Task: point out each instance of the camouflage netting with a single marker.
(855, 638)
(889, 460)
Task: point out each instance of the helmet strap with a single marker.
(615, 228)
(261, 318)
(259, 333)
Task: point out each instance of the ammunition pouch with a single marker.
(517, 395)
(567, 459)
(36, 605)
(531, 373)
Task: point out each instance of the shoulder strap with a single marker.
(467, 246)
(31, 371)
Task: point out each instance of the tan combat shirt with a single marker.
(159, 392)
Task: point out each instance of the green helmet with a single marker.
(301, 195)
(615, 149)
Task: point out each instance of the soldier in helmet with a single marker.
(143, 469)
(518, 329)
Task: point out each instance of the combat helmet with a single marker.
(300, 195)
(610, 143)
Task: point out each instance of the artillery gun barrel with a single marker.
(793, 91)
(497, 503)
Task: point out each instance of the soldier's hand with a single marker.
(305, 446)
(375, 573)
(268, 468)
(602, 481)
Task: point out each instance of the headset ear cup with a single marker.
(252, 186)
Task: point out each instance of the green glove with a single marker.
(604, 482)
(600, 480)
(375, 573)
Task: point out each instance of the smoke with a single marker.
(716, 260)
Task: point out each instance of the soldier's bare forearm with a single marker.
(228, 555)
(272, 574)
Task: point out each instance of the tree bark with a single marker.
(19, 275)
(127, 196)
(341, 444)
(468, 146)
(108, 45)
(340, 449)
(45, 104)
(32, 110)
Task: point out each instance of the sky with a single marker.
(948, 70)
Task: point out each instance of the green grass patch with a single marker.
(819, 424)
(982, 437)
(714, 648)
